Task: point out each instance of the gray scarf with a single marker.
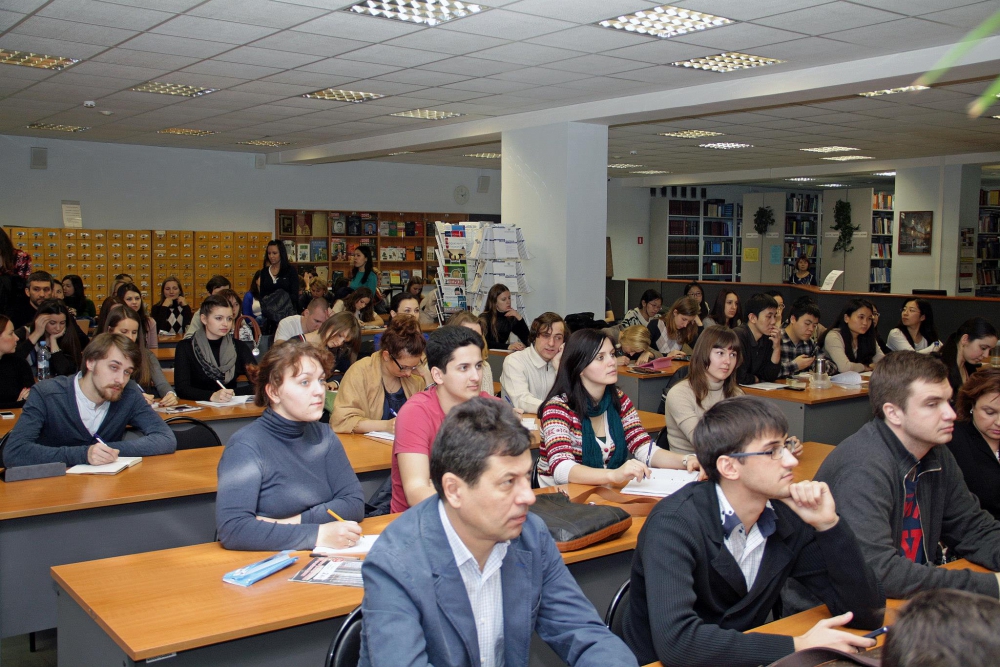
(225, 370)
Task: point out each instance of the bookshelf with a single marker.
(988, 244)
(695, 238)
(802, 220)
(880, 269)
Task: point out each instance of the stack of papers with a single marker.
(106, 469)
(383, 436)
(529, 423)
(766, 386)
(333, 571)
(662, 483)
(363, 546)
(235, 400)
(848, 379)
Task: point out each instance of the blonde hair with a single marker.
(636, 337)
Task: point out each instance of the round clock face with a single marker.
(461, 195)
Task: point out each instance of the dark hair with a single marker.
(282, 254)
(544, 324)
(369, 264)
(347, 322)
(975, 328)
(7, 254)
(649, 296)
(79, 298)
(471, 433)
(944, 628)
(775, 294)
(718, 313)
(123, 277)
(489, 314)
(980, 383)
(894, 376)
(115, 315)
(867, 343)
(801, 308)
(758, 303)
(39, 277)
(279, 358)
(582, 348)
(101, 345)
(927, 329)
(70, 341)
(403, 335)
(213, 302)
(166, 280)
(368, 312)
(143, 317)
(400, 298)
(702, 306)
(713, 337)
(254, 288)
(413, 281)
(215, 282)
(4, 321)
(443, 342)
(730, 425)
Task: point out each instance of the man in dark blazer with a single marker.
(64, 416)
(465, 578)
(711, 558)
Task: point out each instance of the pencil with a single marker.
(221, 386)
(334, 515)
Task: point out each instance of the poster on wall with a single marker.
(915, 229)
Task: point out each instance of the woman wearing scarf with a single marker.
(211, 357)
(590, 429)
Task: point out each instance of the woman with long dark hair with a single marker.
(726, 312)
(341, 336)
(363, 272)
(361, 304)
(211, 357)
(966, 349)
(131, 296)
(75, 297)
(16, 378)
(502, 320)
(850, 342)
(13, 261)
(590, 429)
(172, 312)
(915, 330)
(278, 273)
(694, 290)
(149, 376)
(54, 326)
(675, 329)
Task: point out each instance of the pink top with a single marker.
(417, 425)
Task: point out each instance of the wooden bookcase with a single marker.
(988, 244)
(880, 269)
(694, 239)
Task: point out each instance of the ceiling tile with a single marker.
(541, 76)
(812, 51)
(505, 25)
(740, 10)
(422, 77)
(916, 7)
(257, 12)
(104, 14)
(581, 11)
(218, 68)
(664, 75)
(489, 86)
(596, 39)
(447, 95)
(38, 26)
(738, 37)
(904, 34)
(23, 6)
(353, 68)
(828, 18)
(310, 79)
(361, 28)
(967, 17)
(385, 54)
(250, 55)
(8, 19)
(526, 54)
(96, 68)
(661, 51)
(597, 65)
(229, 32)
(143, 59)
(178, 46)
(271, 88)
(56, 47)
(470, 66)
(307, 43)
(456, 44)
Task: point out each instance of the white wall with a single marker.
(144, 187)
(628, 219)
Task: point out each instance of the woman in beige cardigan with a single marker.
(375, 388)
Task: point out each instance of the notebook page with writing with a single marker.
(661, 483)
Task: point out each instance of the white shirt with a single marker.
(91, 414)
(526, 379)
(485, 591)
(288, 328)
(746, 548)
(897, 341)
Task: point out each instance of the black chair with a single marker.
(534, 475)
(674, 379)
(613, 619)
(3, 444)
(193, 433)
(345, 650)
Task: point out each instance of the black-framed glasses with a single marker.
(402, 368)
(776, 454)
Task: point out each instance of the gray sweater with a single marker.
(278, 468)
(866, 474)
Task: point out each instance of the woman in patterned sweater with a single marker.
(590, 429)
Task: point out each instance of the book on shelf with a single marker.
(369, 227)
(712, 247)
(682, 227)
(303, 224)
(882, 201)
(338, 223)
(881, 274)
(354, 225)
(989, 197)
(681, 207)
(718, 228)
(318, 250)
(286, 224)
(882, 226)
(319, 224)
(385, 279)
(418, 253)
(335, 276)
(797, 227)
(989, 222)
(289, 249)
(354, 244)
(801, 203)
(302, 252)
(417, 273)
(881, 251)
(682, 246)
(323, 272)
(718, 208)
(338, 250)
(404, 276)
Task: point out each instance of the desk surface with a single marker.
(213, 611)
(165, 353)
(170, 339)
(674, 367)
(813, 455)
(810, 396)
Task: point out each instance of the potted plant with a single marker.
(842, 224)
(762, 219)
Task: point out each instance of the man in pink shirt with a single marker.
(455, 359)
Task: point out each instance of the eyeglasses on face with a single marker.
(776, 453)
(402, 368)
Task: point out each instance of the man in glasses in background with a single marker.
(712, 558)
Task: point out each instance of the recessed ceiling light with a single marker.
(727, 62)
(57, 128)
(164, 88)
(623, 165)
(422, 12)
(649, 172)
(828, 149)
(847, 158)
(263, 142)
(801, 179)
(26, 59)
(401, 153)
(665, 21)
(725, 145)
(188, 132)
(485, 156)
(892, 91)
(830, 185)
(884, 173)
(691, 134)
(352, 96)
(427, 114)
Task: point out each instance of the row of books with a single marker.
(800, 227)
(989, 248)
(453, 269)
(798, 249)
(989, 223)
(882, 225)
(676, 207)
(397, 277)
(717, 247)
(988, 276)
(400, 228)
(682, 246)
(682, 267)
(403, 253)
(882, 201)
(881, 251)
(802, 203)
(683, 227)
(989, 197)
(881, 274)
(718, 228)
(718, 268)
(719, 209)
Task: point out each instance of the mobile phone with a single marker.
(795, 388)
(6, 414)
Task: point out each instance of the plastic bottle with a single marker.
(43, 357)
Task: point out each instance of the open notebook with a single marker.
(107, 468)
(661, 483)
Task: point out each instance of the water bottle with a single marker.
(43, 357)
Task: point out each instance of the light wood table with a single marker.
(167, 354)
(124, 610)
(827, 415)
(166, 342)
(813, 455)
(645, 389)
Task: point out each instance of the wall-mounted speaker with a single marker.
(39, 158)
(260, 161)
(483, 184)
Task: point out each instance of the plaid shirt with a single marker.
(790, 350)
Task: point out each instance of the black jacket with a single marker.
(979, 465)
(505, 326)
(688, 601)
(288, 280)
(757, 365)
(190, 381)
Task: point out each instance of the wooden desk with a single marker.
(166, 342)
(121, 610)
(827, 415)
(165, 354)
(645, 389)
(370, 458)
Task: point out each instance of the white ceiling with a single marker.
(519, 56)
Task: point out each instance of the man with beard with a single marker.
(82, 418)
(38, 289)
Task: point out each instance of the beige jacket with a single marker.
(362, 395)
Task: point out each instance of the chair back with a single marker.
(534, 474)
(345, 650)
(3, 444)
(681, 373)
(616, 610)
(193, 433)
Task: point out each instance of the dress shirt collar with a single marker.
(462, 553)
(766, 523)
(91, 414)
(535, 358)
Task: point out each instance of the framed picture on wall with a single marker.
(915, 229)
(286, 225)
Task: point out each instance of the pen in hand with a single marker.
(334, 515)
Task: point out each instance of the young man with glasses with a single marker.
(529, 374)
(712, 558)
(455, 358)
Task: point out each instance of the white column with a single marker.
(555, 189)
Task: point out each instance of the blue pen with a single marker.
(393, 413)
(875, 633)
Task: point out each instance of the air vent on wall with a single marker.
(39, 158)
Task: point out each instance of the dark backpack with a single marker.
(276, 306)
